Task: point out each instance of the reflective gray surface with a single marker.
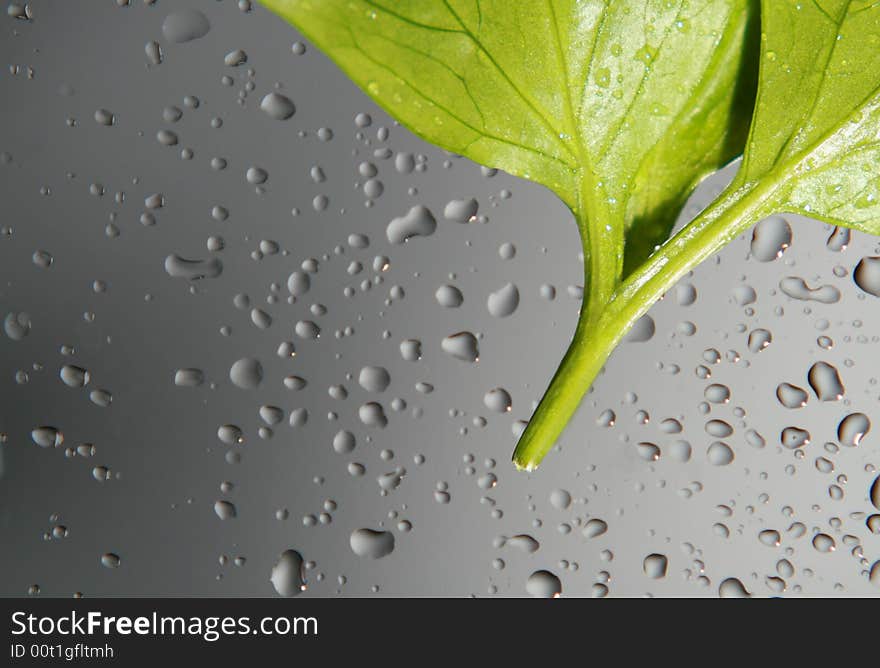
(437, 476)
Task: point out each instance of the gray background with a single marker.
(159, 441)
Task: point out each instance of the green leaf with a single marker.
(813, 148)
(618, 107)
(815, 137)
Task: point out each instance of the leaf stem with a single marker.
(601, 326)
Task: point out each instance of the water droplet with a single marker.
(110, 560)
(685, 294)
(47, 437)
(287, 575)
(42, 259)
(104, 117)
(791, 396)
(852, 429)
(462, 346)
(797, 288)
(153, 52)
(643, 330)
(246, 373)
(256, 175)
(874, 574)
(680, 451)
(17, 325)
(504, 301)
(461, 210)
(74, 376)
(225, 510)
(374, 378)
(594, 528)
(655, 566)
(101, 398)
(344, 442)
(498, 400)
(230, 434)
(770, 238)
(718, 428)
(838, 240)
(732, 588)
(825, 381)
(449, 296)
(824, 543)
(719, 454)
(867, 275)
(372, 415)
(193, 270)
(759, 339)
(411, 350)
(744, 295)
(717, 394)
(271, 415)
(278, 106)
(235, 58)
(524, 543)
(770, 537)
(543, 584)
(560, 499)
(298, 283)
(874, 494)
(372, 544)
(418, 222)
(185, 25)
(794, 437)
(648, 451)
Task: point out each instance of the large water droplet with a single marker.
(852, 429)
(374, 378)
(874, 494)
(372, 415)
(643, 330)
(225, 510)
(791, 396)
(461, 210)
(719, 454)
(732, 588)
(74, 376)
(797, 288)
(770, 238)
(462, 346)
(504, 301)
(655, 566)
(498, 400)
(193, 270)
(418, 222)
(867, 275)
(246, 373)
(794, 437)
(543, 584)
(277, 106)
(449, 296)
(17, 325)
(594, 528)
(287, 575)
(372, 544)
(47, 437)
(825, 381)
(185, 25)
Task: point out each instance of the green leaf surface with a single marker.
(814, 146)
(618, 107)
